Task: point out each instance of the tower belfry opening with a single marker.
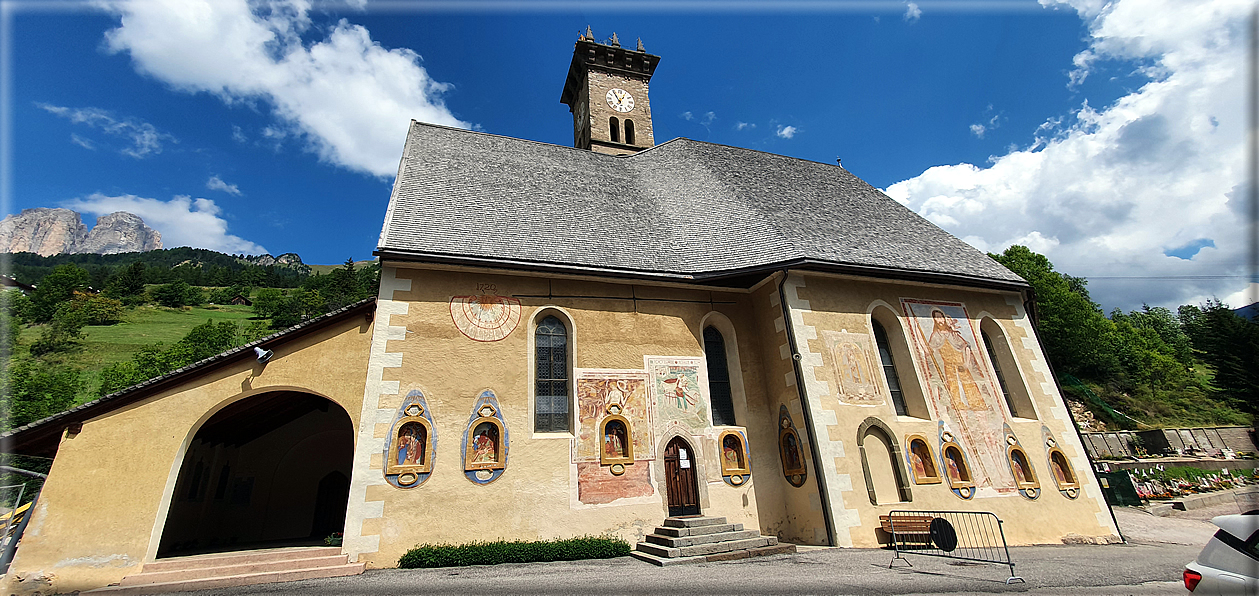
(606, 90)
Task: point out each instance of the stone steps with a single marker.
(701, 539)
(205, 572)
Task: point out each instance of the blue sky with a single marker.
(1105, 135)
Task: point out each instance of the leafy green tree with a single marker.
(128, 284)
(62, 334)
(1230, 345)
(34, 392)
(96, 309)
(172, 295)
(56, 288)
(267, 302)
(1077, 336)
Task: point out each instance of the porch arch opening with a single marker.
(271, 470)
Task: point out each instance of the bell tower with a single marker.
(606, 90)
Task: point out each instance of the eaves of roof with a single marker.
(41, 438)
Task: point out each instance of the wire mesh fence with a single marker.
(965, 535)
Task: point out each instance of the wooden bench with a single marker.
(909, 528)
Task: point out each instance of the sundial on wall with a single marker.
(485, 316)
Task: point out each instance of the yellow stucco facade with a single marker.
(107, 502)
(102, 510)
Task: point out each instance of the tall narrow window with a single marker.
(996, 366)
(889, 369)
(718, 376)
(614, 128)
(629, 132)
(551, 394)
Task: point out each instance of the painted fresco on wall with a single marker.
(485, 441)
(679, 388)
(1059, 466)
(597, 486)
(960, 388)
(790, 449)
(410, 446)
(485, 316)
(953, 461)
(598, 392)
(855, 372)
(736, 467)
(1020, 465)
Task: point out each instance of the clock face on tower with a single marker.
(620, 100)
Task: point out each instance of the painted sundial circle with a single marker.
(485, 317)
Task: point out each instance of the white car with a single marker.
(1229, 563)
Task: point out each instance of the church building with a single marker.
(586, 340)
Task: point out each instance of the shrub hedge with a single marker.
(494, 553)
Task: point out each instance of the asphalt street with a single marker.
(1150, 563)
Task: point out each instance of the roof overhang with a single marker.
(741, 278)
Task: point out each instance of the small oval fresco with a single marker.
(485, 441)
(735, 460)
(1059, 466)
(790, 449)
(1020, 466)
(411, 445)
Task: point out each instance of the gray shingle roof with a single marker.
(684, 208)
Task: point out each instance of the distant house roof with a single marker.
(42, 437)
(9, 282)
(683, 209)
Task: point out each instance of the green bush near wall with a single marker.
(494, 553)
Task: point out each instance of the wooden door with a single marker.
(679, 472)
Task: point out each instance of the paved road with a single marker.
(1151, 562)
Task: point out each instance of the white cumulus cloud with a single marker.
(348, 97)
(1108, 192)
(216, 183)
(786, 132)
(912, 12)
(145, 139)
(182, 221)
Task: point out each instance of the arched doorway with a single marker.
(269, 470)
(681, 489)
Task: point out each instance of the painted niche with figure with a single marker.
(1020, 466)
(956, 468)
(736, 467)
(790, 449)
(921, 460)
(618, 449)
(485, 441)
(409, 448)
(1060, 466)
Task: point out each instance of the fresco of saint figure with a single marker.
(920, 469)
(411, 444)
(1059, 474)
(730, 451)
(962, 389)
(1015, 464)
(485, 443)
(614, 439)
(955, 467)
(792, 449)
(680, 390)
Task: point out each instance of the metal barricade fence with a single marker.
(964, 535)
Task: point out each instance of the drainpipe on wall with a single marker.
(1029, 307)
(802, 392)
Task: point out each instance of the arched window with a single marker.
(551, 412)
(1012, 387)
(902, 382)
(881, 464)
(629, 132)
(889, 369)
(614, 128)
(718, 377)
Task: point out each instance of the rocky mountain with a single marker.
(48, 232)
(290, 260)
